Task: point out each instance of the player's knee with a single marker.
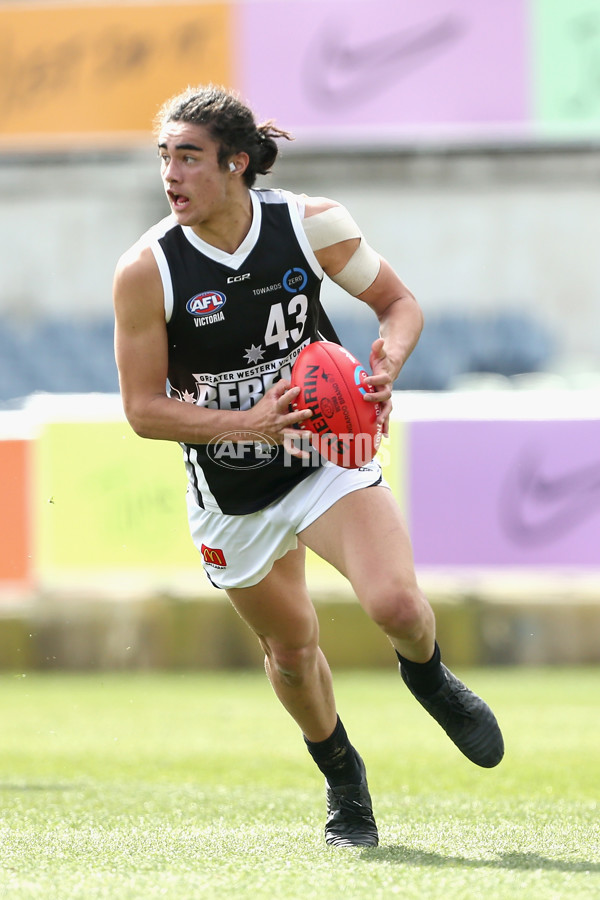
(293, 663)
(402, 613)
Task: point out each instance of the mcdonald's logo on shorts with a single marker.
(213, 557)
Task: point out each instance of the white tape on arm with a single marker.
(360, 271)
(333, 225)
(330, 227)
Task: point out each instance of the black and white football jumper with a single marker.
(236, 323)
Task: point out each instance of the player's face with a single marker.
(196, 186)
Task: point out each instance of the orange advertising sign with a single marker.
(87, 70)
(15, 525)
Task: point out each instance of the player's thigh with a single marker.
(364, 536)
(279, 609)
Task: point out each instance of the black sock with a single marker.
(424, 678)
(336, 757)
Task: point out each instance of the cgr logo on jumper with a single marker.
(206, 307)
(233, 279)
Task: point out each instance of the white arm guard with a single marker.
(360, 271)
(332, 226)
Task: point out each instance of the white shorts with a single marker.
(238, 551)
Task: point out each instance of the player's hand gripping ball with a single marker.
(343, 426)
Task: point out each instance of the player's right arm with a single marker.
(141, 352)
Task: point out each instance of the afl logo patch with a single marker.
(206, 304)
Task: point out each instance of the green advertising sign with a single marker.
(108, 499)
(567, 66)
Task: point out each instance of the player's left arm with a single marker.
(400, 319)
(400, 325)
(356, 267)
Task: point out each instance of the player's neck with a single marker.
(227, 229)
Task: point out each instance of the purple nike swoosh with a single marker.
(537, 508)
(339, 73)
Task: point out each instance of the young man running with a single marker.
(213, 305)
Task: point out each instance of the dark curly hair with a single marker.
(230, 123)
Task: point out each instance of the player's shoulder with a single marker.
(307, 205)
(135, 265)
(140, 255)
(314, 205)
(327, 222)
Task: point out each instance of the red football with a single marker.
(343, 426)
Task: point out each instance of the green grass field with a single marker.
(188, 785)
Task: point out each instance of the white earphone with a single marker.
(232, 167)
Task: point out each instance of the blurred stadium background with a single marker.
(465, 140)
